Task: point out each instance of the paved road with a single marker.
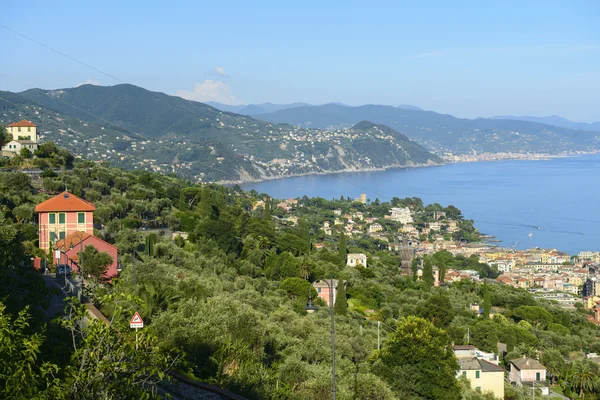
(57, 304)
(554, 395)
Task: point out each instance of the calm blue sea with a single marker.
(507, 199)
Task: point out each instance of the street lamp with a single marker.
(310, 307)
(56, 248)
(79, 261)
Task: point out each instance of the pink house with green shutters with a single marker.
(62, 215)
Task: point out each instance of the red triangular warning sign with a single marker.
(136, 318)
(136, 321)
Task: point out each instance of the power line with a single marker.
(61, 53)
(123, 82)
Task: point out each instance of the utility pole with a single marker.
(134, 275)
(310, 307)
(331, 289)
(468, 335)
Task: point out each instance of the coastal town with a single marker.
(548, 274)
(288, 150)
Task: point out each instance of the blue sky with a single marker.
(466, 58)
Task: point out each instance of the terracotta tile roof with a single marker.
(22, 123)
(72, 240)
(65, 202)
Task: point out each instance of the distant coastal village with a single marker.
(480, 157)
(547, 273)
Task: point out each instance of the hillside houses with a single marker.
(536, 269)
(402, 215)
(24, 136)
(481, 369)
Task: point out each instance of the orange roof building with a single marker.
(23, 130)
(62, 215)
(22, 124)
(78, 241)
(65, 202)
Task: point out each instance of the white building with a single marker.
(401, 215)
(356, 259)
(480, 369)
(504, 266)
(375, 228)
(434, 226)
(24, 136)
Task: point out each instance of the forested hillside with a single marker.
(226, 305)
(137, 129)
(445, 133)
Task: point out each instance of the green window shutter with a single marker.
(53, 236)
(52, 218)
(61, 235)
(61, 218)
(477, 374)
(81, 218)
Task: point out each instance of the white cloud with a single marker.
(210, 90)
(89, 82)
(221, 71)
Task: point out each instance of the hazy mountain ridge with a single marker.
(445, 133)
(265, 108)
(555, 120)
(253, 109)
(135, 128)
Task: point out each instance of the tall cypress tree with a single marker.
(442, 272)
(341, 306)
(428, 272)
(414, 266)
(342, 248)
(304, 231)
(267, 213)
(487, 300)
(182, 203)
(206, 201)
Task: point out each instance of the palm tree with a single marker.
(156, 298)
(584, 377)
(304, 266)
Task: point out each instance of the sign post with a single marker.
(136, 322)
